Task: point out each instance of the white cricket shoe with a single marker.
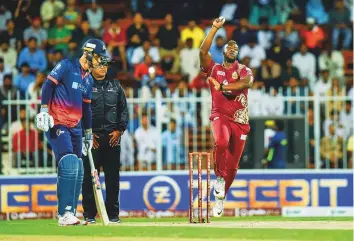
(219, 188)
(218, 208)
(69, 219)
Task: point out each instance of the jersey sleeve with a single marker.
(245, 71)
(58, 72)
(208, 69)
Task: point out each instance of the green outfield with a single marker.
(178, 229)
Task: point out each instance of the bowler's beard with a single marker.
(229, 60)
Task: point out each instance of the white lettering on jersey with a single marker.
(222, 73)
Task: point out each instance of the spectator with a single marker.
(294, 107)
(13, 35)
(333, 120)
(26, 141)
(189, 56)
(146, 49)
(72, 15)
(35, 88)
(254, 51)
(273, 104)
(146, 138)
(217, 50)
(172, 146)
(143, 68)
(313, 36)
(25, 78)
(168, 37)
(221, 32)
(265, 35)
(305, 62)
(316, 10)
(8, 92)
(323, 85)
(285, 8)
(95, 17)
(257, 97)
(59, 36)
(289, 72)
(80, 36)
(37, 32)
(154, 78)
(339, 19)
(194, 32)
(116, 39)
(276, 152)
(242, 34)
(346, 117)
(138, 32)
(269, 74)
(5, 15)
(228, 10)
(4, 70)
(22, 16)
(336, 90)
(33, 55)
(278, 53)
(50, 9)
(127, 151)
(263, 8)
(332, 60)
(290, 36)
(9, 54)
(332, 148)
(54, 57)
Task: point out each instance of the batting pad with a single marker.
(78, 185)
(68, 176)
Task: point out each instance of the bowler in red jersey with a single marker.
(229, 83)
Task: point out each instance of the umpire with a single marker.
(109, 121)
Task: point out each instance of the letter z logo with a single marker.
(162, 194)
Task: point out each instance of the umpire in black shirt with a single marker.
(109, 121)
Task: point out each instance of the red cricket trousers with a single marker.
(230, 138)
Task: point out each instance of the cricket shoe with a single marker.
(218, 208)
(69, 219)
(90, 220)
(219, 188)
(115, 220)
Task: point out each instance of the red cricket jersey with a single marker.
(232, 104)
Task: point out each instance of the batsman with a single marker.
(229, 83)
(65, 110)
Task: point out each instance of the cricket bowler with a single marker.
(65, 110)
(229, 83)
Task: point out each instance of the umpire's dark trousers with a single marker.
(109, 158)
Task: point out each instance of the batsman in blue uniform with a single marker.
(65, 111)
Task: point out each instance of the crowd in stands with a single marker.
(294, 48)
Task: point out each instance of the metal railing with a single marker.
(159, 148)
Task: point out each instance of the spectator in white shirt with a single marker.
(306, 64)
(254, 51)
(127, 151)
(172, 145)
(334, 120)
(332, 60)
(4, 70)
(9, 54)
(228, 10)
(190, 64)
(95, 16)
(323, 84)
(146, 137)
(265, 35)
(140, 52)
(273, 104)
(51, 9)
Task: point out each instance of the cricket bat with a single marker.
(97, 191)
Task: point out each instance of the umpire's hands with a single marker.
(114, 140)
